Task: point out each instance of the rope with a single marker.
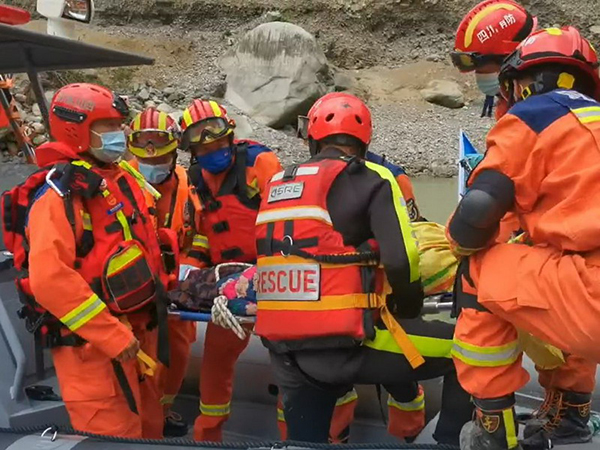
(245, 445)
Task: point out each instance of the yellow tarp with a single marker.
(438, 270)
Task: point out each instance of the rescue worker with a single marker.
(487, 34)
(95, 265)
(548, 289)
(321, 294)
(230, 178)
(479, 49)
(406, 420)
(153, 140)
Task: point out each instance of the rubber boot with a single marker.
(174, 426)
(569, 424)
(548, 409)
(494, 427)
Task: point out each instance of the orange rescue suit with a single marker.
(548, 146)
(175, 210)
(229, 206)
(68, 287)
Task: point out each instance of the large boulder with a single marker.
(275, 73)
(444, 93)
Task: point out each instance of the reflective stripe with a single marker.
(121, 218)
(310, 170)
(280, 415)
(187, 117)
(418, 404)
(200, 241)
(408, 235)
(497, 356)
(588, 115)
(215, 108)
(82, 163)
(480, 16)
(167, 399)
(137, 123)
(427, 346)
(294, 213)
(162, 121)
(350, 397)
(85, 312)
(325, 303)
(86, 219)
(509, 424)
(215, 410)
(118, 262)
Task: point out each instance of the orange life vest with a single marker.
(228, 217)
(117, 251)
(124, 264)
(310, 284)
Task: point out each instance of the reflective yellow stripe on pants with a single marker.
(427, 346)
(495, 356)
(418, 404)
(167, 400)
(215, 410)
(348, 398)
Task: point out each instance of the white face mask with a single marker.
(155, 174)
(488, 83)
(113, 147)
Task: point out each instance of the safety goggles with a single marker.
(152, 143)
(470, 61)
(206, 131)
(302, 128)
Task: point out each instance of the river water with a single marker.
(436, 197)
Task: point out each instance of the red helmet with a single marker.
(204, 121)
(76, 107)
(340, 113)
(153, 133)
(491, 31)
(563, 46)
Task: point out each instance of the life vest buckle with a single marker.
(287, 237)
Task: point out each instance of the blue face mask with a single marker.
(113, 147)
(155, 174)
(488, 83)
(217, 161)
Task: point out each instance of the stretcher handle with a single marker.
(205, 317)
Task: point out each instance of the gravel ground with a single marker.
(369, 38)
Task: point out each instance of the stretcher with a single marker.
(433, 304)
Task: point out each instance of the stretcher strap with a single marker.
(125, 386)
(408, 348)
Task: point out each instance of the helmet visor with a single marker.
(158, 138)
(302, 129)
(152, 143)
(470, 61)
(206, 131)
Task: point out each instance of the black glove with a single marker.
(408, 303)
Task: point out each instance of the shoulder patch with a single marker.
(378, 159)
(255, 149)
(539, 111)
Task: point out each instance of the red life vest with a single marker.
(310, 284)
(117, 253)
(228, 217)
(300, 295)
